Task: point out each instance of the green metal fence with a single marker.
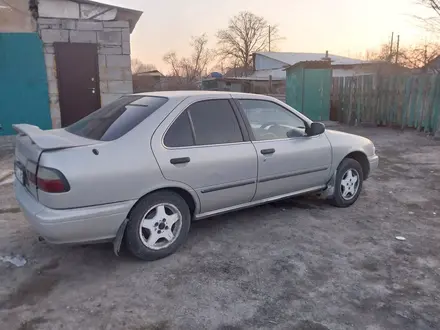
(397, 100)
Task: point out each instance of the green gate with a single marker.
(308, 88)
(23, 82)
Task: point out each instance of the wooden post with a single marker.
(270, 84)
(358, 99)
(414, 106)
(352, 91)
(435, 116)
(425, 97)
(430, 104)
(391, 46)
(341, 99)
(400, 99)
(378, 97)
(407, 86)
(392, 101)
(397, 50)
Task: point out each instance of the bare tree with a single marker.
(188, 70)
(431, 23)
(385, 54)
(420, 55)
(137, 66)
(246, 34)
(414, 57)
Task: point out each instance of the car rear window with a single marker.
(117, 118)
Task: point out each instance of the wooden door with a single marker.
(316, 99)
(78, 80)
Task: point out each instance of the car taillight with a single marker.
(51, 180)
(31, 171)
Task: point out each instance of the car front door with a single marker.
(287, 163)
(205, 145)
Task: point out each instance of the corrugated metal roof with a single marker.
(320, 64)
(293, 58)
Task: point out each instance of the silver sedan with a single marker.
(143, 167)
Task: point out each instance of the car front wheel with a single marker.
(158, 226)
(348, 184)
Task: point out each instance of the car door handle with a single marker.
(267, 151)
(182, 160)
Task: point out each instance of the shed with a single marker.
(225, 84)
(147, 81)
(87, 55)
(308, 87)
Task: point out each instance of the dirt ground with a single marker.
(298, 264)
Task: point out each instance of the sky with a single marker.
(343, 27)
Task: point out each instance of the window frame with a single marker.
(248, 124)
(236, 111)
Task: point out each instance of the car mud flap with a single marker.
(118, 239)
(330, 190)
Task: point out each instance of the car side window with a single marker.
(214, 122)
(180, 133)
(270, 121)
(205, 123)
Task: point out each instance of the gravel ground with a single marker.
(297, 264)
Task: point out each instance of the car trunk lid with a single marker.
(31, 142)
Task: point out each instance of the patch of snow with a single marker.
(15, 260)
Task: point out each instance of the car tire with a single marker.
(348, 183)
(152, 220)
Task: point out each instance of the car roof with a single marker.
(189, 93)
(207, 94)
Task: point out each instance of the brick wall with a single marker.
(113, 39)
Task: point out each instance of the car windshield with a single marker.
(117, 118)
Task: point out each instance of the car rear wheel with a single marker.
(158, 225)
(348, 184)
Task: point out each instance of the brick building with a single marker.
(83, 49)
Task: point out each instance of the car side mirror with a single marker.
(315, 129)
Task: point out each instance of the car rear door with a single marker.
(285, 164)
(205, 145)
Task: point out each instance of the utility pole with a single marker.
(397, 49)
(269, 37)
(425, 56)
(391, 46)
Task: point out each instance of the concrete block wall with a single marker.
(113, 39)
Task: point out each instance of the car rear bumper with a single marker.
(70, 226)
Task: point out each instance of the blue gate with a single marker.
(23, 82)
